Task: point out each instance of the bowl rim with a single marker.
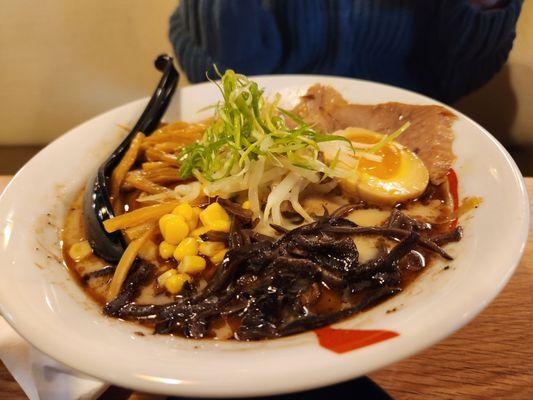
(318, 379)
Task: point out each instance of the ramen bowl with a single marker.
(45, 305)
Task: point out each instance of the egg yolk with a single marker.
(391, 158)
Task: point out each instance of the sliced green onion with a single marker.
(389, 138)
(247, 127)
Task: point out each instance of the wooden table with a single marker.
(490, 358)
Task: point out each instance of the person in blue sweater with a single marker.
(442, 48)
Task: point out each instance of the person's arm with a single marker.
(468, 42)
(241, 35)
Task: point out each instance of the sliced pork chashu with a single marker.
(430, 135)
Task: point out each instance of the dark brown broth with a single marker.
(327, 302)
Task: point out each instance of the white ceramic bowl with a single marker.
(43, 303)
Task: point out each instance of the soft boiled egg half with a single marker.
(388, 175)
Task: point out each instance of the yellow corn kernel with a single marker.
(175, 283)
(174, 228)
(187, 247)
(185, 210)
(161, 279)
(166, 250)
(148, 251)
(246, 205)
(220, 225)
(210, 248)
(200, 231)
(213, 212)
(188, 213)
(218, 256)
(193, 223)
(79, 251)
(192, 264)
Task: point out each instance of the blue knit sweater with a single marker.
(442, 48)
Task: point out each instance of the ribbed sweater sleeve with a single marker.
(236, 34)
(465, 46)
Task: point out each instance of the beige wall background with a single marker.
(64, 61)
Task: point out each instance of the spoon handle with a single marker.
(97, 205)
(154, 111)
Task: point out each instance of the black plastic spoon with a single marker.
(96, 202)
